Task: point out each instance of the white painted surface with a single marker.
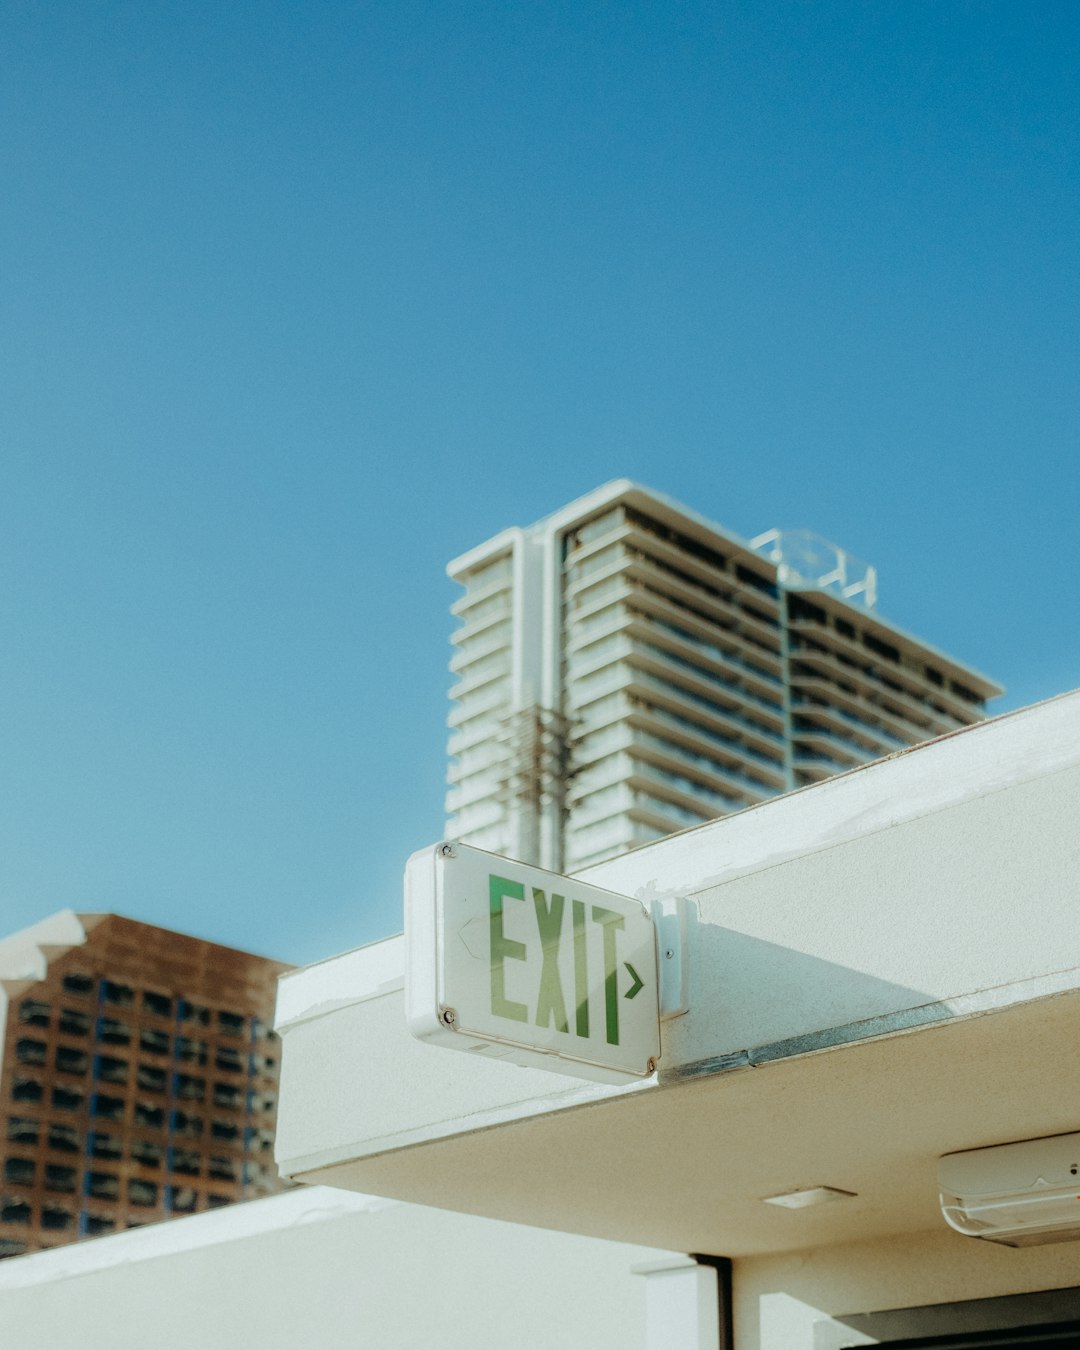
(330, 1270)
(25, 955)
(975, 762)
(780, 1299)
(949, 874)
(340, 982)
(681, 1308)
(221, 1227)
(970, 897)
(21, 957)
(355, 1082)
(870, 1118)
(946, 876)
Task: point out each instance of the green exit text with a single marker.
(551, 1006)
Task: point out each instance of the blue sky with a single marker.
(299, 301)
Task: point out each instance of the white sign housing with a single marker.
(523, 964)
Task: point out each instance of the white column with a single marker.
(682, 1310)
(549, 547)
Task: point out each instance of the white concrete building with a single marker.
(625, 669)
(324, 1269)
(884, 969)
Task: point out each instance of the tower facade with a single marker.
(625, 669)
(138, 1078)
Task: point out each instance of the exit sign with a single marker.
(517, 963)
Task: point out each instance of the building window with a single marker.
(224, 1129)
(232, 1024)
(105, 1146)
(26, 1090)
(182, 1123)
(181, 1199)
(22, 1130)
(102, 1185)
(112, 1032)
(75, 982)
(96, 1224)
(34, 1013)
(121, 995)
(74, 1023)
(151, 1116)
(142, 1192)
(158, 1004)
(190, 1088)
(67, 1098)
(152, 1080)
(58, 1178)
(258, 1140)
(156, 1042)
(19, 1171)
(222, 1169)
(227, 1095)
(194, 1012)
(55, 1219)
(185, 1162)
(228, 1060)
(71, 1061)
(146, 1153)
(190, 1051)
(28, 1051)
(885, 649)
(111, 1070)
(109, 1108)
(14, 1211)
(64, 1138)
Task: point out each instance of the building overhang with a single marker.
(884, 968)
(689, 1167)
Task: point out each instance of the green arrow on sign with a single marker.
(637, 986)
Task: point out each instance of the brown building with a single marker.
(138, 1078)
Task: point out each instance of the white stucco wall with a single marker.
(332, 1270)
(899, 887)
(778, 1300)
(927, 910)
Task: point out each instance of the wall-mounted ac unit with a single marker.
(1020, 1195)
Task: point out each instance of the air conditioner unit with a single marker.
(1020, 1195)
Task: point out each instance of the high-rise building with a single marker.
(625, 669)
(138, 1078)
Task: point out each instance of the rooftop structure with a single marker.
(138, 1076)
(626, 669)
